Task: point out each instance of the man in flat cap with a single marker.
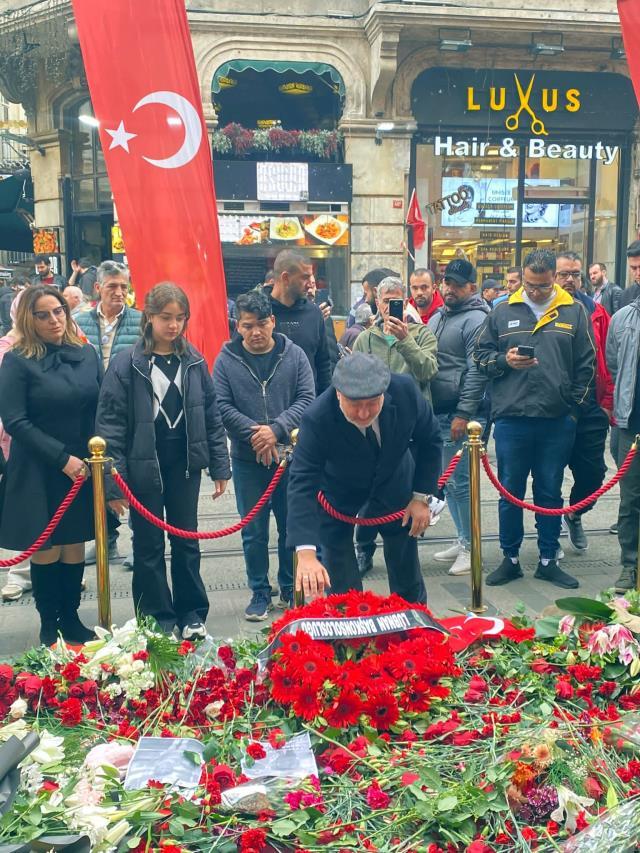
(373, 446)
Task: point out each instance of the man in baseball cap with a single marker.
(354, 446)
(491, 289)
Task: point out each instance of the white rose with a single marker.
(18, 709)
(49, 750)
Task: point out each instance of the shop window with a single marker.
(493, 206)
(91, 190)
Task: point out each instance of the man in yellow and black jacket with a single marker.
(536, 397)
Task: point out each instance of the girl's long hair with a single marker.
(155, 302)
(29, 343)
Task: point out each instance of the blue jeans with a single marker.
(250, 481)
(540, 447)
(457, 489)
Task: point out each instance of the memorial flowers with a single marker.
(524, 740)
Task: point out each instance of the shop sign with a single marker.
(508, 149)
(551, 99)
(494, 235)
(456, 202)
(307, 230)
(282, 181)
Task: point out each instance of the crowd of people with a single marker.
(546, 360)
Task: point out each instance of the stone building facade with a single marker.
(380, 49)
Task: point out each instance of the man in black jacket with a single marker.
(535, 404)
(297, 318)
(631, 293)
(354, 445)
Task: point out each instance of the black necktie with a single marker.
(372, 441)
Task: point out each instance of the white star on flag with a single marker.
(120, 137)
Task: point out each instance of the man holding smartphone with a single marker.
(538, 352)
(405, 347)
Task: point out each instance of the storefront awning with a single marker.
(15, 234)
(15, 213)
(280, 67)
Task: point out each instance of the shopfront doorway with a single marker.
(495, 195)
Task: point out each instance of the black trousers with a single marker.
(400, 556)
(587, 456)
(178, 504)
(629, 512)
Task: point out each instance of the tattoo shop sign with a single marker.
(357, 627)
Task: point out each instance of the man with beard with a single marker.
(370, 284)
(425, 296)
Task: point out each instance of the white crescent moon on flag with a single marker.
(192, 128)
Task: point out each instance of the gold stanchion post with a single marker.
(97, 448)
(476, 448)
(298, 597)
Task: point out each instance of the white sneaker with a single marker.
(449, 555)
(462, 565)
(12, 592)
(559, 554)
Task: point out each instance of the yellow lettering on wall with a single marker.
(494, 103)
(471, 104)
(549, 100)
(573, 100)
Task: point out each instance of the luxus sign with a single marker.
(509, 148)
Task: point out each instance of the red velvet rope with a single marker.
(383, 519)
(194, 534)
(543, 510)
(46, 533)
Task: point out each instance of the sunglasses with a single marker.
(56, 313)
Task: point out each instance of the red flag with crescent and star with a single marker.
(629, 14)
(416, 222)
(144, 89)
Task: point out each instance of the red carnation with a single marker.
(376, 797)
(70, 712)
(563, 689)
(256, 751)
(253, 839)
(70, 672)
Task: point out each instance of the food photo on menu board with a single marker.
(493, 201)
(306, 230)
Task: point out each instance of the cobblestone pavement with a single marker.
(224, 575)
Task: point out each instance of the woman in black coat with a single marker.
(49, 384)
(158, 414)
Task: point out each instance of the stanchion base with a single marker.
(479, 610)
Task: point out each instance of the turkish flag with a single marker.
(416, 222)
(629, 13)
(144, 89)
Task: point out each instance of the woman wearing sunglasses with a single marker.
(49, 384)
(159, 415)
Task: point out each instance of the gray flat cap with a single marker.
(361, 376)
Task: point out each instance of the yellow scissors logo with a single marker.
(513, 121)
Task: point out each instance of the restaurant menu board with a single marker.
(282, 181)
(491, 202)
(307, 230)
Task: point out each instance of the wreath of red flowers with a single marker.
(372, 680)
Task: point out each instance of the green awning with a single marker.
(280, 67)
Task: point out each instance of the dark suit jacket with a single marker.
(630, 294)
(333, 455)
(611, 299)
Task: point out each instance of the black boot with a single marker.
(71, 627)
(46, 593)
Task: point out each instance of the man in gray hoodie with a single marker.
(457, 392)
(264, 383)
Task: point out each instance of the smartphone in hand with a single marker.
(396, 309)
(529, 352)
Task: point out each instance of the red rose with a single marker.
(473, 696)
(223, 775)
(76, 691)
(70, 712)
(30, 686)
(6, 677)
(541, 666)
(593, 788)
(479, 684)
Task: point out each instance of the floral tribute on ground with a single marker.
(524, 740)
